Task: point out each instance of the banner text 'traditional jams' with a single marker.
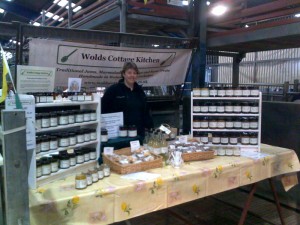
(101, 65)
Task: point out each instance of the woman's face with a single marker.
(130, 76)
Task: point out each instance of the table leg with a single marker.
(276, 200)
(247, 205)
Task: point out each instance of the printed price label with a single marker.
(183, 139)
(108, 150)
(163, 128)
(135, 145)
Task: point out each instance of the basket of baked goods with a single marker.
(194, 151)
(123, 161)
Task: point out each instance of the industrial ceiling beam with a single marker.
(158, 19)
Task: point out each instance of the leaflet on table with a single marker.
(112, 122)
(144, 176)
(35, 79)
(28, 103)
(254, 155)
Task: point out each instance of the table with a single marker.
(115, 199)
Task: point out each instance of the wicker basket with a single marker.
(197, 156)
(131, 168)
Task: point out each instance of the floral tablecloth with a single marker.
(115, 199)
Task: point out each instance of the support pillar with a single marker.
(123, 16)
(236, 69)
(70, 14)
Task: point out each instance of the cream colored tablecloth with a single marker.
(115, 199)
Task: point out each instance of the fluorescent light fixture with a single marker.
(77, 8)
(207, 2)
(297, 15)
(10, 40)
(246, 25)
(8, 55)
(155, 45)
(14, 42)
(219, 10)
(2, 10)
(36, 24)
(55, 17)
(185, 2)
(61, 19)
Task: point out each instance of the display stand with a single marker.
(243, 147)
(61, 173)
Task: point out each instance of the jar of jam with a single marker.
(237, 123)
(216, 138)
(196, 123)
(80, 181)
(39, 172)
(196, 107)
(93, 134)
(204, 122)
(203, 137)
(237, 92)
(233, 139)
(54, 165)
(212, 108)
(88, 96)
(80, 97)
(212, 123)
(221, 151)
(78, 116)
(38, 144)
(228, 92)
(254, 108)
(237, 108)
(63, 118)
(64, 140)
(245, 107)
(45, 143)
(79, 156)
(100, 172)
(43, 97)
(196, 92)
(221, 123)
(213, 91)
(94, 173)
(87, 135)
(93, 115)
(106, 170)
(45, 120)
(86, 152)
(104, 135)
(71, 116)
(38, 121)
(53, 119)
(79, 136)
(86, 115)
(254, 91)
(132, 131)
(220, 107)
(224, 139)
(64, 161)
(245, 91)
(236, 151)
(46, 166)
(228, 107)
(245, 123)
(229, 151)
(204, 92)
(72, 138)
(53, 143)
(123, 131)
(72, 159)
(245, 139)
(93, 154)
(89, 178)
(229, 122)
(253, 139)
(204, 107)
(253, 123)
(221, 92)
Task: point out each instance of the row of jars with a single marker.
(216, 91)
(49, 97)
(227, 151)
(61, 118)
(53, 141)
(93, 175)
(226, 107)
(124, 131)
(222, 138)
(64, 160)
(229, 122)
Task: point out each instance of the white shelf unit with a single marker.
(233, 99)
(95, 105)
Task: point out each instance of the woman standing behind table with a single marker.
(128, 97)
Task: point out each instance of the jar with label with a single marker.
(54, 165)
(216, 138)
(253, 139)
(212, 108)
(233, 139)
(53, 119)
(196, 107)
(203, 137)
(38, 144)
(253, 123)
(39, 172)
(88, 96)
(80, 96)
(100, 172)
(224, 139)
(45, 143)
(221, 91)
(237, 92)
(86, 115)
(93, 115)
(245, 107)
(212, 123)
(93, 134)
(132, 131)
(204, 122)
(53, 143)
(38, 121)
(72, 159)
(71, 117)
(229, 151)
(122, 131)
(43, 97)
(86, 154)
(63, 118)
(87, 135)
(254, 92)
(245, 91)
(228, 107)
(80, 181)
(64, 140)
(36, 97)
(104, 135)
(254, 108)
(204, 92)
(72, 138)
(106, 170)
(220, 107)
(89, 178)
(46, 166)
(221, 123)
(93, 154)
(196, 123)
(79, 136)
(78, 116)
(213, 92)
(245, 139)
(237, 151)
(45, 120)
(237, 108)
(237, 123)
(95, 176)
(228, 92)
(221, 151)
(196, 92)
(229, 122)
(245, 123)
(79, 156)
(64, 161)
(50, 97)
(204, 107)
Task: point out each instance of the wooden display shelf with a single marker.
(65, 103)
(226, 98)
(224, 114)
(225, 130)
(66, 126)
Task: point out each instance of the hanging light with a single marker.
(219, 10)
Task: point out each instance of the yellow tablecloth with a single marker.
(115, 199)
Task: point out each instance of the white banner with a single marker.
(101, 65)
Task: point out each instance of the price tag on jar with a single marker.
(108, 150)
(165, 129)
(135, 145)
(183, 139)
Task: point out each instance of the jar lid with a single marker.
(55, 156)
(45, 115)
(38, 162)
(122, 128)
(63, 152)
(64, 157)
(45, 160)
(54, 159)
(131, 127)
(245, 103)
(72, 155)
(53, 114)
(44, 138)
(38, 116)
(53, 138)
